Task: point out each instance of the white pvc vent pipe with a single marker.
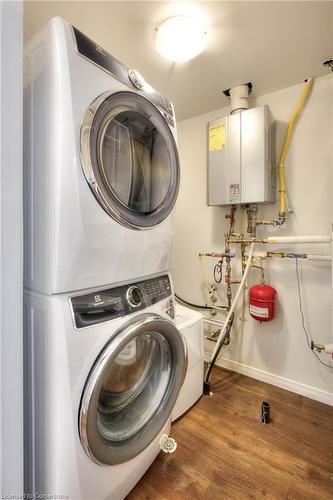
(239, 97)
(326, 258)
(298, 239)
(329, 348)
(233, 305)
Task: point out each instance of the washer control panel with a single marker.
(104, 305)
(134, 296)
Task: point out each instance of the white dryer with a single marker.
(103, 371)
(101, 168)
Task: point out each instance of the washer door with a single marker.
(131, 389)
(130, 159)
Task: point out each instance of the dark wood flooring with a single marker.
(224, 452)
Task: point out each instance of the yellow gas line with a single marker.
(285, 147)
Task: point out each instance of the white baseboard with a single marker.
(270, 378)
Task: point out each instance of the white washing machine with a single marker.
(190, 325)
(101, 168)
(103, 371)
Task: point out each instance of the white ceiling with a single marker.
(272, 44)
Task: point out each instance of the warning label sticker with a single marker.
(216, 137)
(261, 312)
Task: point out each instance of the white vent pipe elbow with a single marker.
(239, 97)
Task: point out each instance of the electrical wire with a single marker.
(208, 287)
(199, 306)
(302, 317)
(218, 271)
(225, 330)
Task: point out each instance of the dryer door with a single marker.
(131, 389)
(130, 159)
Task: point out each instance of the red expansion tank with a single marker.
(262, 302)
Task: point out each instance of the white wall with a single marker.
(11, 363)
(277, 351)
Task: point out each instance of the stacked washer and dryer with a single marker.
(104, 359)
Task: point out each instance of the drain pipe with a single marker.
(227, 324)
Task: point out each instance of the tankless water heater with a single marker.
(241, 158)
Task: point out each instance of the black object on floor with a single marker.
(265, 412)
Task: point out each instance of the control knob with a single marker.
(134, 296)
(139, 82)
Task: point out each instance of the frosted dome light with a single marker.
(180, 38)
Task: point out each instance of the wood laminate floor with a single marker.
(224, 452)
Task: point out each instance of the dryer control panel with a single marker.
(95, 53)
(104, 305)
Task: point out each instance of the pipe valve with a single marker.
(317, 347)
(321, 347)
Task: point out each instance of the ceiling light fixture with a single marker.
(180, 38)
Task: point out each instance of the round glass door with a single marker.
(130, 159)
(131, 390)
